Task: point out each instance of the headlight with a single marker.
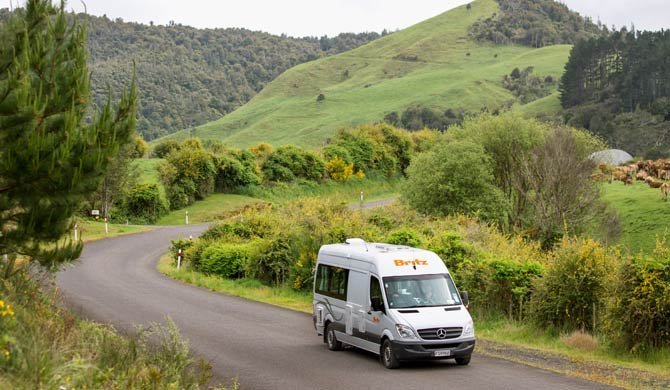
(469, 330)
(405, 331)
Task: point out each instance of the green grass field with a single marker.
(432, 63)
(216, 206)
(645, 217)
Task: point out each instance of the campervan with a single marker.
(395, 301)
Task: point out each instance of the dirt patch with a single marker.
(609, 374)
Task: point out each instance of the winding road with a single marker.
(265, 347)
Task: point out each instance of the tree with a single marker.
(454, 177)
(555, 184)
(51, 158)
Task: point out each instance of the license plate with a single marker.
(442, 353)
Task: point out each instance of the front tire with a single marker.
(463, 361)
(331, 339)
(388, 357)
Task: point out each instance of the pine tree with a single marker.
(51, 156)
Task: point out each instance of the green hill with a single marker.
(435, 63)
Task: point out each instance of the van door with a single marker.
(357, 298)
(374, 327)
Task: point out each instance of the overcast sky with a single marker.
(316, 18)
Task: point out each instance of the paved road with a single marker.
(265, 347)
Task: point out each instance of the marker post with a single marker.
(179, 253)
(187, 217)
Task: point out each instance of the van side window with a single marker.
(332, 281)
(375, 289)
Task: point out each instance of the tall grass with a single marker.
(45, 346)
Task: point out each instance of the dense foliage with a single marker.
(51, 156)
(455, 177)
(519, 173)
(190, 76)
(639, 306)
(618, 87)
(535, 23)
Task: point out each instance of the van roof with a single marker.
(387, 259)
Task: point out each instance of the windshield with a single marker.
(420, 291)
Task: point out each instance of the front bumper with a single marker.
(417, 350)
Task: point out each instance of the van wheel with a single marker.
(463, 361)
(388, 357)
(331, 340)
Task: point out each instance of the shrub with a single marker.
(339, 170)
(452, 249)
(407, 237)
(638, 313)
(455, 177)
(273, 262)
(227, 260)
(188, 173)
(573, 284)
(498, 284)
(331, 152)
(164, 148)
(145, 202)
(289, 163)
(233, 173)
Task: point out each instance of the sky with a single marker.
(317, 18)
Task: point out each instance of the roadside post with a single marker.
(361, 200)
(187, 217)
(179, 254)
(76, 235)
(106, 225)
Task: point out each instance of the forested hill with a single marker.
(618, 87)
(189, 76)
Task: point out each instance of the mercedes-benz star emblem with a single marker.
(441, 333)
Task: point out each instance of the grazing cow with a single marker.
(665, 189)
(653, 183)
(641, 174)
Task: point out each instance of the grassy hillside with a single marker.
(433, 63)
(643, 213)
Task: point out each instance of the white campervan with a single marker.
(395, 301)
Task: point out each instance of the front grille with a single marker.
(431, 334)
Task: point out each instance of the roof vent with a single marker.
(355, 241)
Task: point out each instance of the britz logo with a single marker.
(401, 263)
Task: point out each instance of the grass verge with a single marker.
(215, 206)
(250, 289)
(45, 346)
(497, 337)
(90, 230)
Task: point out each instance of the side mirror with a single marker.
(465, 298)
(377, 304)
